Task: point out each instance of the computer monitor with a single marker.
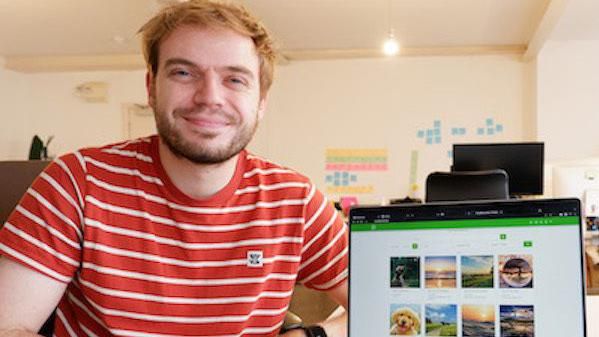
(523, 163)
(501, 268)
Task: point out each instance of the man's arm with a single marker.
(27, 298)
(337, 326)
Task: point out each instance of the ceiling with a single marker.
(82, 30)
(578, 21)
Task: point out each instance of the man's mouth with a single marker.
(207, 122)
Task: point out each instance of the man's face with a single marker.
(206, 93)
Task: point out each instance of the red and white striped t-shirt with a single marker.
(143, 259)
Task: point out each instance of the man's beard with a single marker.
(198, 152)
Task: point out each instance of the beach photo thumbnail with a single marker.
(405, 272)
(515, 271)
(478, 320)
(477, 271)
(441, 319)
(440, 271)
(405, 319)
(517, 320)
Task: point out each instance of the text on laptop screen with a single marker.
(508, 269)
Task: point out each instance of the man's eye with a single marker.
(180, 73)
(237, 81)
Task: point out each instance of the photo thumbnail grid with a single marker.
(514, 271)
(476, 271)
(475, 320)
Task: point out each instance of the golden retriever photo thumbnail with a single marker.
(405, 321)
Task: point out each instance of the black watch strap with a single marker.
(315, 331)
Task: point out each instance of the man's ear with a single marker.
(150, 88)
(262, 106)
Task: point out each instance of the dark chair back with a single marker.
(15, 178)
(467, 185)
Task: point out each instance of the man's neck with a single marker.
(198, 181)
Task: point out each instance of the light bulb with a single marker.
(390, 47)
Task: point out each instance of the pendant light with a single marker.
(390, 46)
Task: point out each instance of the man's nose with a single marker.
(209, 91)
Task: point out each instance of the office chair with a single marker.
(467, 185)
(15, 178)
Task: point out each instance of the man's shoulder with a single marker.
(131, 146)
(123, 151)
(121, 154)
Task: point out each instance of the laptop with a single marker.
(485, 269)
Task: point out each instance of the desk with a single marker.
(310, 305)
(592, 262)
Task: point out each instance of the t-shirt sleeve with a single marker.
(324, 257)
(44, 231)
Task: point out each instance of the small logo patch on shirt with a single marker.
(255, 258)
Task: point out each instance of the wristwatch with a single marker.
(314, 331)
(310, 331)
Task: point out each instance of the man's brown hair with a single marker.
(209, 14)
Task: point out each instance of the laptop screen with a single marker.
(496, 269)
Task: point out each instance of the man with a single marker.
(181, 234)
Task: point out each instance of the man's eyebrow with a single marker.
(240, 69)
(176, 60)
(234, 69)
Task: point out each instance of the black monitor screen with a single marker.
(523, 163)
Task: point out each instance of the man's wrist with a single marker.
(312, 330)
(315, 331)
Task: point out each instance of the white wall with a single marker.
(382, 103)
(45, 104)
(13, 115)
(364, 103)
(568, 99)
(529, 122)
(592, 314)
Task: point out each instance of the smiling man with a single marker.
(206, 93)
(184, 233)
